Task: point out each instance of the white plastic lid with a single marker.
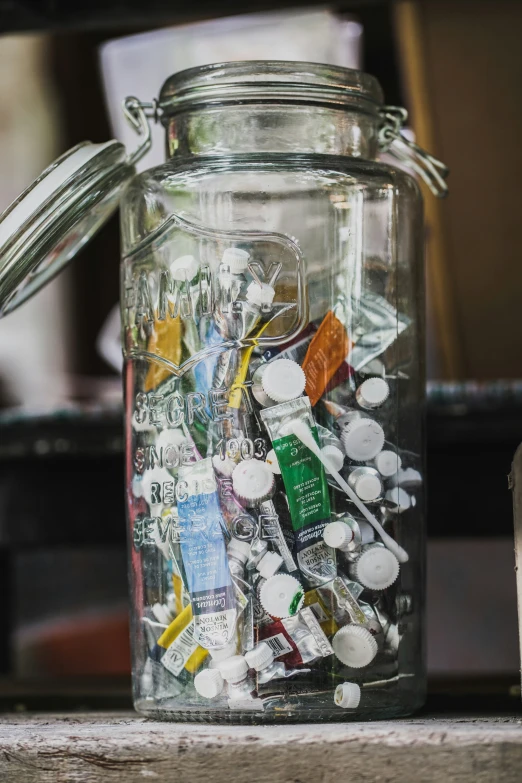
(184, 268)
(239, 549)
(335, 456)
(337, 535)
(269, 564)
(377, 568)
(354, 646)
(260, 657)
(362, 439)
(399, 499)
(283, 380)
(387, 462)
(273, 463)
(236, 259)
(281, 596)
(366, 484)
(260, 294)
(252, 481)
(347, 695)
(257, 390)
(161, 613)
(409, 479)
(225, 467)
(233, 668)
(372, 393)
(224, 652)
(209, 683)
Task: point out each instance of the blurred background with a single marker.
(65, 68)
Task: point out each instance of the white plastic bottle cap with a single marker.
(399, 499)
(347, 695)
(362, 439)
(225, 467)
(281, 596)
(184, 268)
(387, 462)
(224, 652)
(236, 259)
(377, 568)
(269, 564)
(260, 294)
(337, 535)
(366, 484)
(209, 683)
(283, 380)
(260, 657)
(372, 393)
(354, 646)
(334, 456)
(161, 614)
(239, 549)
(409, 479)
(233, 669)
(252, 481)
(273, 463)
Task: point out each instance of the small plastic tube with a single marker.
(301, 431)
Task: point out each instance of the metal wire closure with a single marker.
(392, 140)
(137, 115)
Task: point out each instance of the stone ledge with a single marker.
(103, 747)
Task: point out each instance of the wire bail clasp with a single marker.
(137, 114)
(392, 140)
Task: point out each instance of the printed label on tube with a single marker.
(205, 557)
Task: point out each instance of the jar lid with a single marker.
(388, 463)
(354, 646)
(372, 393)
(44, 228)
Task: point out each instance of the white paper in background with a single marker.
(139, 64)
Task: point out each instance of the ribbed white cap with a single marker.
(273, 463)
(234, 668)
(252, 481)
(399, 499)
(347, 695)
(366, 484)
(409, 479)
(225, 467)
(269, 564)
(335, 456)
(387, 462)
(337, 535)
(377, 568)
(362, 439)
(260, 657)
(281, 596)
(236, 259)
(372, 393)
(224, 652)
(209, 683)
(283, 380)
(260, 294)
(239, 549)
(184, 268)
(354, 646)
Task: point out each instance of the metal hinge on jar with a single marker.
(393, 141)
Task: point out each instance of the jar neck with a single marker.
(272, 128)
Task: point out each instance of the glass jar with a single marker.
(273, 327)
